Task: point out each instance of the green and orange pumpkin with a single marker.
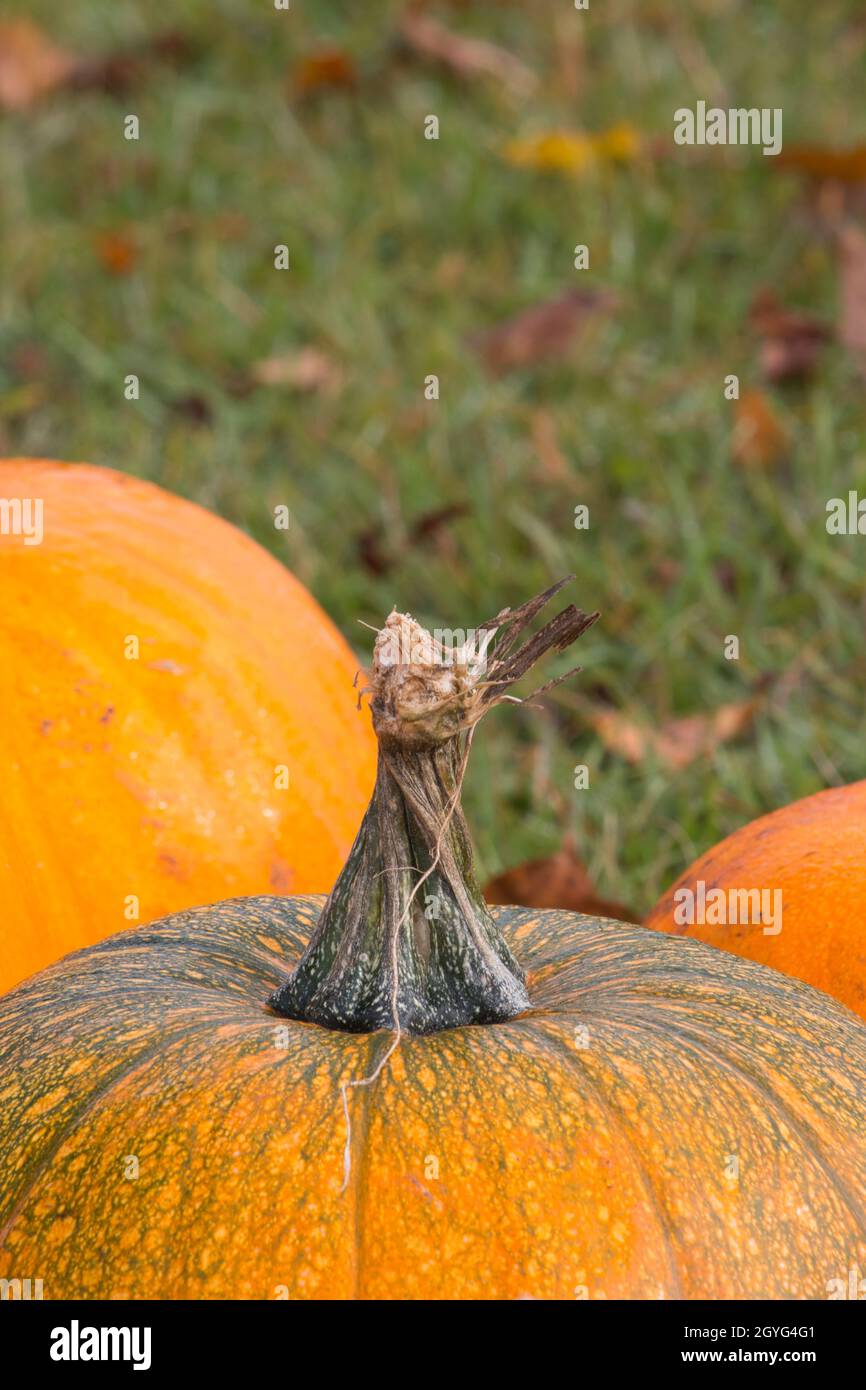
(539, 1105)
(813, 854)
(177, 716)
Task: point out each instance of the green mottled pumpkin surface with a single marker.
(665, 1121)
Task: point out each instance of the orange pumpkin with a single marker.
(561, 1107)
(813, 855)
(663, 1120)
(158, 669)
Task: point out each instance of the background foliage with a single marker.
(156, 257)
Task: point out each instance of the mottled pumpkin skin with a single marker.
(815, 852)
(579, 1150)
(156, 777)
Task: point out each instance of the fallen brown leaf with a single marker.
(554, 465)
(726, 576)
(429, 525)
(228, 225)
(118, 71)
(545, 330)
(852, 290)
(677, 742)
(845, 166)
(451, 270)
(667, 571)
(372, 553)
(28, 361)
(569, 55)
(790, 339)
(834, 183)
(31, 64)
(559, 881)
(759, 440)
(329, 67)
(307, 370)
(116, 251)
(193, 407)
(425, 38)
(378, 555)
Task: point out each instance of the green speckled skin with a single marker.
(665, 1120)
(454, 965)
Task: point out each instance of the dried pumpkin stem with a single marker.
(405, 940)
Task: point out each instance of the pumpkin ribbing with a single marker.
(812, 853)
(583, 1149)
(157, 668)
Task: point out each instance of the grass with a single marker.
(401, 249)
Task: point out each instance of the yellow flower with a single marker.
(574, 151)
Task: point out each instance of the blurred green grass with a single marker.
(401, 249)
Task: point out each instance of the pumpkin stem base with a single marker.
(406, 940)
(453, 966)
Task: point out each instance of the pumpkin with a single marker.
(813, 855)
(438, 1100)
(177, 715)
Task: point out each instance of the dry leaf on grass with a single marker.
(569, 57)
(378, 555)
(545, 330)
(29, 361)
(843, 166)
(425, 38)
(573, 151)
(116, 251)
(307, 370)
(759, 440)
(434, 525)
(559, 881)
(677, 742)
(193, 407)
(554, 466)
(372, 553)
(852, 326)
(835, 181)
(31, 64)
(790, 339)
(118, 71)
(329, 67)
(227, 225)
(451, 270)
